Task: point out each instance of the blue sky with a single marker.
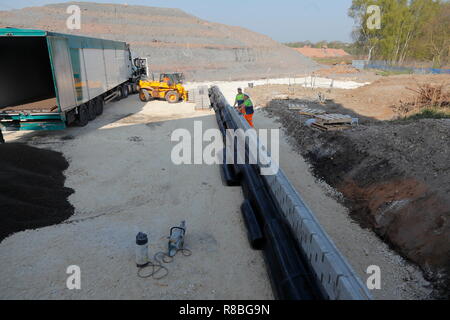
(282, 20)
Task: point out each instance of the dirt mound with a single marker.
(173, 40)
(395, 177)
(376, 100)
(338, 69)
(389, 92)
(32, 192)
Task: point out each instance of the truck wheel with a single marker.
(99, 106)
(1, 137)
(144, 95)
(83, 115)
(172, 97)
(92, 112)
(125, 91)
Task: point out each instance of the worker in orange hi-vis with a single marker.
(248, 110)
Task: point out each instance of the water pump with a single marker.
(176, 239)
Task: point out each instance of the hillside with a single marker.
(173, 39)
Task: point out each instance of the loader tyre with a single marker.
(172, 97)
(92, 112)
(144, 95)
(99, 104)
(83, 115)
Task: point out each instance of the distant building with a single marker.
(323, 52)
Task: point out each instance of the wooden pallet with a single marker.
(311, 112)
(304, 110)
(296, 106)
(330, 119)
(329, 127)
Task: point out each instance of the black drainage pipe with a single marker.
(292, 279)
(229, 176)
(255, 235)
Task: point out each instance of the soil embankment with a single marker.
(32, 192)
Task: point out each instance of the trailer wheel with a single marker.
(135, 87)
(125, 91)
(172, 97)
(83, 115)
(119, 93)
(71, 118)
(92, 112)
(144, 95)
(99, 106)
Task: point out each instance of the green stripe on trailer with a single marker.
(75, 41)
(22, 32)
(36, 116)
(33, 125)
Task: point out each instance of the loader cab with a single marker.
(179, 77)
(171, 78)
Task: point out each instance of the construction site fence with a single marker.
(387, 66)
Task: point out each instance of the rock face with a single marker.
(173, 40)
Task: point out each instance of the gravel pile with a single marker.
(32, 192)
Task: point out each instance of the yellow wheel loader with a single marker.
(169, 87)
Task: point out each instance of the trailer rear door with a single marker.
(26, 81)
(62, 72)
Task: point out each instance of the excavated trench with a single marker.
(395, 179)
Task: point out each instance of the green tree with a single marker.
(366, 38)
(433, 43)
(405, 24)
